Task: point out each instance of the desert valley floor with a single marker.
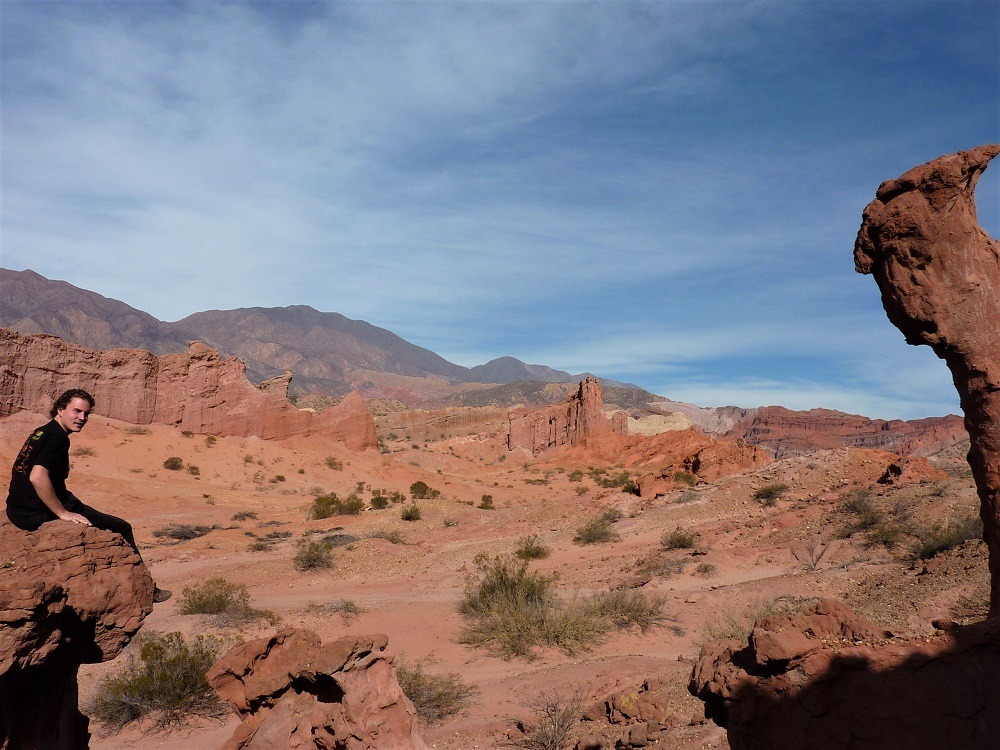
(748, 555)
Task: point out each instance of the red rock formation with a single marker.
(694, 454)
(197, 391)
(69, 595)
(939, 274)
(828, 680)
(294, 692)
(579, 421)
(791, 433)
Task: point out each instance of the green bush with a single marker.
(511, 610)
(326, 506)
(531, 548)
(575, 476)
(938, 538)
(165, 682)
(182, 531)
(685, 477)
(379, 501)
(421, 491)
(391, 536)
(410, 512)
(486, 503)
(313, 556)
(174, 463)
(769, 494)
(679, 539)
(860, 507)
(436, 697)
(213, 597)
(334, 463)
(596, 531)
(244, 515)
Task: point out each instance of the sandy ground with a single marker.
(747, 555)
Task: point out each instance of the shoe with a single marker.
(160, 595)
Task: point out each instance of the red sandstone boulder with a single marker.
(69, 595)
(197, 391)
(828, 680)
(294, 692)
(939, 275)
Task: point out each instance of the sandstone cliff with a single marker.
(295, 693)
(578, 421)
(69, 595)
(197, 391)
(939, 274)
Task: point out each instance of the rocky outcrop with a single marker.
(691, 456)
(939, 275)
(295, 693)
(828, 680)
(69, 595)
(793, 433)
(579, 421)
(198, 391)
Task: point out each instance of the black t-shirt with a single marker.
(46, 446)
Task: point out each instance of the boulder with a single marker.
(69, 595)
(939, 275)
(828, 679)
(197, 391)
(294, 692)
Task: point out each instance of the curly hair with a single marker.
(63, 401)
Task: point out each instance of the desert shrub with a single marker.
(581, 490)
(334, 463)
(165, 682)
(686, 497)
(340, 540)
(511, 610)
(193, 470)
(421, 491)
(312, 556)
(326, 506)
(627, 608)
(379, 501)
(769, 494)
(449, 521)
(347, 609)
(862, 512)
(137, 430)
(247, 458)
(553, 719)
(596, 531)
(410, 512)
(210, 440)
(182, 531)
(705, 570)
(84, 450)
(611, 514)
(390, 535)
(531, 548)
(679, 539)
(888, 534)
(575, 476)
(174, 463)
(486, 502)
(436, 697)
(937, 538)
(213, 597)
(539, 481)
(621, 480)
(277, 478)
(664, 568)
(737, 625)
(244, 515)
(685, 477)
(277, 535)
(810, 554)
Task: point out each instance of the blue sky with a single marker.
(664, 193)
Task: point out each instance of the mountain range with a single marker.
(327, 352)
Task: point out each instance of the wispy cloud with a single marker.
(633, 189)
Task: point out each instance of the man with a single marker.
(38, 491)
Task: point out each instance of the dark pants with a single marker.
(30, 520)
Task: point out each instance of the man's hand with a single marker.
(74, 518)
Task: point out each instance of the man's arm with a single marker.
(39, 478)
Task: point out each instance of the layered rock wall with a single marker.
(579, 421)
(69, 595)
(939, 275)
(197, 391)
